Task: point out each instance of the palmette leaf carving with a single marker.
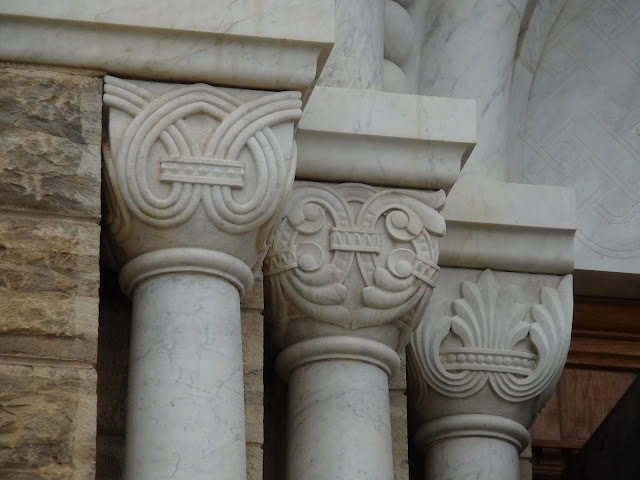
(355, 257)
(488, 339)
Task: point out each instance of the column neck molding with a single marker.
(185, 260)
(338, 348)
(473, 425)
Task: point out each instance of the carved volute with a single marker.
(353, 260)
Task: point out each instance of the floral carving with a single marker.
(355, 257)
(165, 170)
(488, 339)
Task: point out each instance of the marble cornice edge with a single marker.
(383, 138)
(244, 48)
(509, 226)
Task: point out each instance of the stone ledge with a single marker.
(272, 44)
(509, 226)
(383, 138)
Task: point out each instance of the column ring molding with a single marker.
(473, 425)
(186, 260)
(337, 348)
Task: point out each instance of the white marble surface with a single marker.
(509, 226)
(399, 42)
(398, 33)
(384, 138)
(468, 53)
(272, 44)
(355, 261)
(412, 67)
(582, 132)
(356, 59)
(523, 319)
(197, 166)
(466, 458)
(339, 422)
(531, 42)
(185, 407)
(481, 365)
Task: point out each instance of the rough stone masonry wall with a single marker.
(50, 131)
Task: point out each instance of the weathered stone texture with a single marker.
(50, 134)
(48, 287)
(252, 346)
(254, 461)
(253, 360)
(398, 404)
(47, 422)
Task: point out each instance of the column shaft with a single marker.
(185, 410)
(356, 59)
(339, 422)
(476, 458)
(468, 53)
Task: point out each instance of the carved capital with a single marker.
(353, 261)
(197, 167)
(491, 345)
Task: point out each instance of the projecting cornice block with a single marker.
(266, 44)
(382, 138)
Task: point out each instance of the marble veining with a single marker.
(339, 423)
(581, 128)
(185, 408)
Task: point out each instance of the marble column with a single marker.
(468, 52)
(482, 364)
(325, 384)
(356, 60)
(195, 179)
(349, 273)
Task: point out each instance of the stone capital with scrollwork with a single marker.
(196, 176)
(350, 272)
(488, 353)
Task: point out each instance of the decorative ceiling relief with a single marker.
(581, 128)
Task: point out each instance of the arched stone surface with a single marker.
(582, 129)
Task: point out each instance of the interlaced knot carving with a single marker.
(199, 171)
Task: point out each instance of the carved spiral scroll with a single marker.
(335, 237)
(201, 173)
